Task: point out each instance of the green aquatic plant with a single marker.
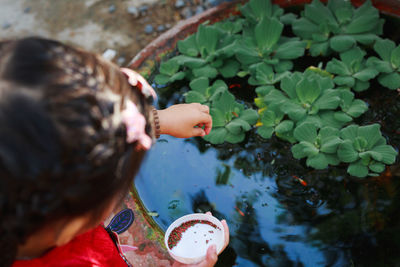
(263, 44)
(388, 64)
(351, 70)
(308, 109)
(365, 149)
(203, 93)
(230, 120)
(303, 95)
(337, 26)
(319, 147)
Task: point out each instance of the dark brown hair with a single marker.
(62, 145)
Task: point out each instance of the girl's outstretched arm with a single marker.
(185, 120)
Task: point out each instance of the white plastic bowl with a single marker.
(192, 248)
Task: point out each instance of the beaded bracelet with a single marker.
(156, 123)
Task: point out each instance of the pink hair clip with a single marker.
(135, 125)
(135, 79)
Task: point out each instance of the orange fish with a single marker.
(240, 212)
(303, 183)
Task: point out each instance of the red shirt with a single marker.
(93, 248)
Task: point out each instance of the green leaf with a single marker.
(341, 116)
(265, 131)
(306, 132)
(384, 48)
(161, 79)
(249, 115)
(237, 126)
(365, 19)
(342, 43)
(346, 152)
(330, 145)
(377, 167)
(217, 135)
(257, 9)
(288, 18)
(357, 169)
(366, 74)
(318, 13)
(338, 67)
(207, 38)
(195, 97)
(357, 108)
(395, 57)
(344, 14)
(190, 62)
(350, 133)
(284, 126)
(329, 100)
(388, 153)
(199, 84)
(320, 49)
(283, 66)
(288, 84)
(294, 111)
(217, 117)
(206, 71)
(390, 80)
(267, 33)
(304, 28)
(188, 46)
(234, 138)
(371, 133)
(318, 162)
(379, 65)
(169, 67)
(360, 86)
(344, 80)
(308, 91)
(230, 68)
(290, 50)
(304, 149)
(353, 57)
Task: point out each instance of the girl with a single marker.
(74, 130)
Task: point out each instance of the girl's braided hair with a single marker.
(62, 144)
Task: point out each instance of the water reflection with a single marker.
(280, 212)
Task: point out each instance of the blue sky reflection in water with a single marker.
(276, 220)
(178, 179)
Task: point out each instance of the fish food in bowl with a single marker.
(188, 238)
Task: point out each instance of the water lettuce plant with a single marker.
(351, 70)
(203, 93)
(365, 149)
(263, 44)
(312, 108)
(230, 120)
(337, 26)
(319, 147)
(388, 65)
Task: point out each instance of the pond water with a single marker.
(280, 212)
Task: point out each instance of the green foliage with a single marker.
(319, 147)
(337, 26)
(351, 71)
(365, 149)
(230, 120)
(203, 93)
(264, 44)
(389, 63)
(311, 109)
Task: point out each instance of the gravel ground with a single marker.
(124, 26)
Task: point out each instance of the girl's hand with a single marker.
(185, 120)
(211, 256)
